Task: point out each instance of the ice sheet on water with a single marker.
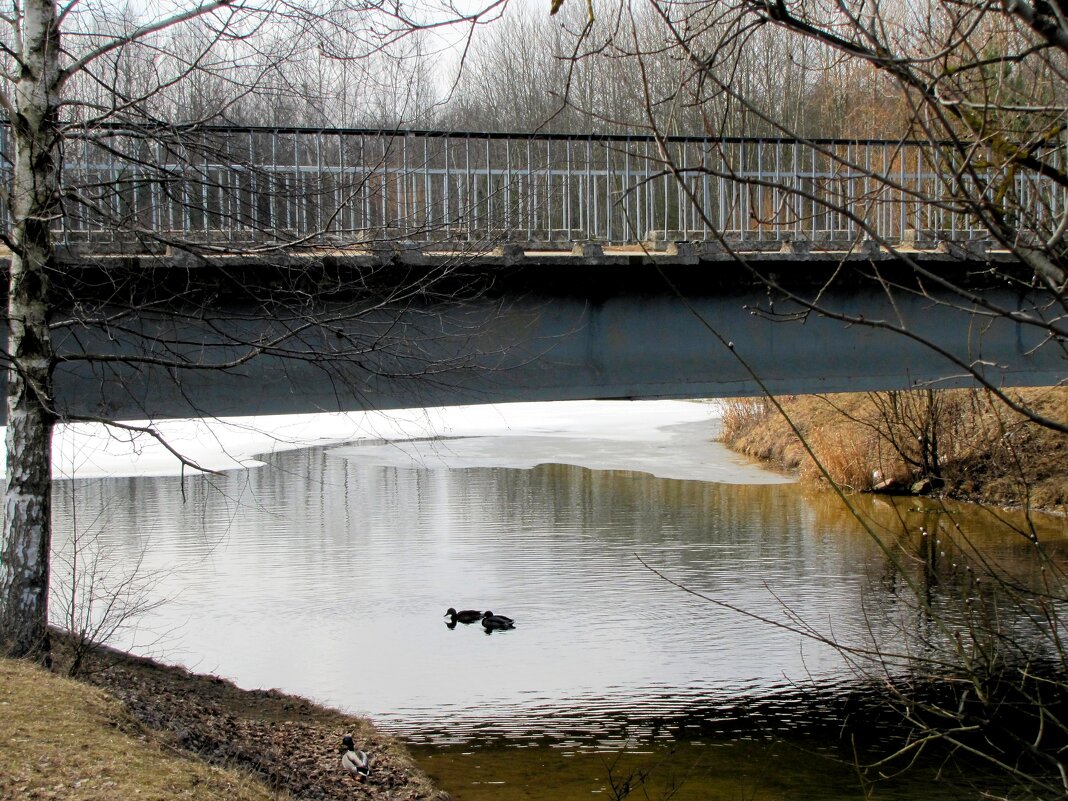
(623, 435)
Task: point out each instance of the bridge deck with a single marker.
(657, 250)
(549, 269)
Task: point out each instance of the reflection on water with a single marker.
(329, 576)
(746, 768)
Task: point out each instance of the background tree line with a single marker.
(526, 71)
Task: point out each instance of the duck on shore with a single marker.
(492, 622)
(354, 762)
(464, 615)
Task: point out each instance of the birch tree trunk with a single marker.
(34, 204)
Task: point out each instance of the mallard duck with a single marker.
(464, 615)
(492, 621)
(356, 763)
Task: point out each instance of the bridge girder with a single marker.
(149, 338)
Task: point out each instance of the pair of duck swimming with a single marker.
(489, 620)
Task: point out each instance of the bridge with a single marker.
(228, 271)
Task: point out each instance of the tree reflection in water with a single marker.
(609, 657)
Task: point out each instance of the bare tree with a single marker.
(133, 91)
(95, 597)
(971, 98)
(976, 94)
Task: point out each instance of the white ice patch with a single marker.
(650, 436)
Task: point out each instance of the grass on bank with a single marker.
(61, 739)
(986, 452)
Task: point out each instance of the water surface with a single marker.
(326, 572)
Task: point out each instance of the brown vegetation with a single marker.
(151, 731)
(63, 739)
(962, 441)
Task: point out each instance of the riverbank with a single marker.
(959, 444)
(131, 727)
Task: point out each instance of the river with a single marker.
(658, 582)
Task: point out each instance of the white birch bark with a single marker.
(24, 563)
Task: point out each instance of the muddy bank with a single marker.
(289, 742)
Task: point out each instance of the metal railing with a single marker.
(339, 187)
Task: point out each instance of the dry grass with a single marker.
(64, 740)
(989, 453)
